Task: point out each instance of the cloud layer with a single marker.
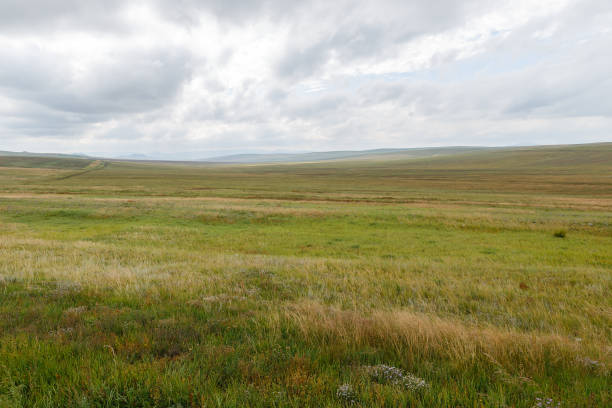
(189, 79)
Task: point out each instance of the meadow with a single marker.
(475, 279)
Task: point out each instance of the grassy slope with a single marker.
(377, 154)
(44, 162)
(567, 158)
(140, 284)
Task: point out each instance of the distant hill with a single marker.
(596, 157)
(526, 158)
(31, 154)
(44, 162)
(135, 156)
(342, 155)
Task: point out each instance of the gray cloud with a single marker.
(38, 16)
(365, 30)
(268, 74)
(120, 84)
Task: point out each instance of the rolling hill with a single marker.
(44, 162)
(341, 155)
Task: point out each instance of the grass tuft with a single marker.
(560, 233)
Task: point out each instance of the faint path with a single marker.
(93, 166)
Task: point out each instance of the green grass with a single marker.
(155, 284)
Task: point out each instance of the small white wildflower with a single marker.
(62, 331)
(75, 311)
(546, 403)
(589, 363)
(346, 394)
(385, 374)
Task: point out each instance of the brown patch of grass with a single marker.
(421, 337)
(171, 338)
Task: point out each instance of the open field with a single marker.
(140, 284)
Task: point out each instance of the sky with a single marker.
(187, 79)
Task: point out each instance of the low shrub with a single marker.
(560, 233)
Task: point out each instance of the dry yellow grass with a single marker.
(425, 337)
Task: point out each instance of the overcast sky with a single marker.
(189, 79)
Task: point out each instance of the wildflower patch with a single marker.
(346, 394)
(384, 374)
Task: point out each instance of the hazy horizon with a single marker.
(193, 79)
(203, 156)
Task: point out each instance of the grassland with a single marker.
(126, 284)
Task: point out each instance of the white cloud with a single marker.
(216, 76)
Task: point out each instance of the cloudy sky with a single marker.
(189, 79)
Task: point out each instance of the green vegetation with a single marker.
(560, 234)
(407, 282)
(43, 162)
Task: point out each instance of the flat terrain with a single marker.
(487, 275)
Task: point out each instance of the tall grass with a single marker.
(421, 337)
